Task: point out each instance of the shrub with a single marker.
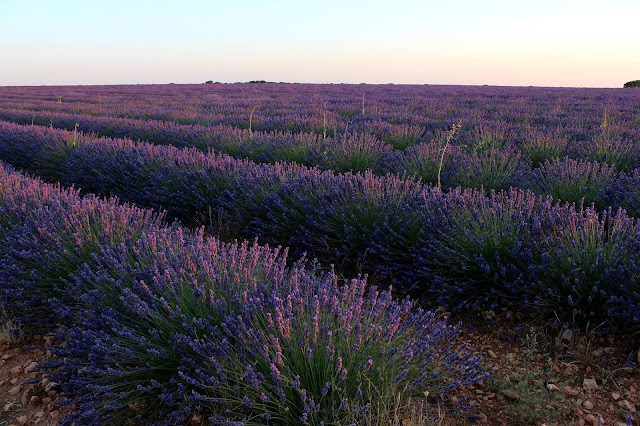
(487, 251)
(158, 325)
(352, 153)
(625, 193)
(491, 169)
(592, 268)
(573, 180)
(541, 147)
(634, 83)
(335, 218)
(423, 160)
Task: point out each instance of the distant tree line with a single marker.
(634, 83)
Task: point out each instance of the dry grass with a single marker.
(10, 332)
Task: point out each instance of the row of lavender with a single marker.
(493, 162)
(161, 325)
(600, 125)
(460, 249)
(576, 114)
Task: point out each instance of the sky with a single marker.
(472, 42)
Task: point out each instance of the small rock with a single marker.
(196, 420)
(22, 420)
(2, 382)
(581, 422)
(46, 400)
(8, 406)
(31, 366)
(27, 363)
(16, 370)
(591, 419)
(15, 390)
(24, 399)
(627, 405)
(489, 315)
(587, 370)
(34, 399)
(615, 396)
(52, 393)
(39, 414)
(509, 394)
(567, 335)
(6, 357)
(567, 371)
(598, 352)
(492, 354)
(587, 405)
(483, 418)
(49, 386)
(552, 387)
(14, 381)
(54, 414)
(572, 391)
(589, 384)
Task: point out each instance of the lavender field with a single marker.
(274, 253)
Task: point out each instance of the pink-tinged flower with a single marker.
(368, 365)
(275, 373)
(343, 375)
(278, 349)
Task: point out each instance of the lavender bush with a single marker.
(572, 181)
(592, 268)
(160, 325)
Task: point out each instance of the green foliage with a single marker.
(543, 147)
(491, 169)
(634, 83)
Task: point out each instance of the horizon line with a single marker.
(210, 82)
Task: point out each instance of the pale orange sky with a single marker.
(542, 43)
